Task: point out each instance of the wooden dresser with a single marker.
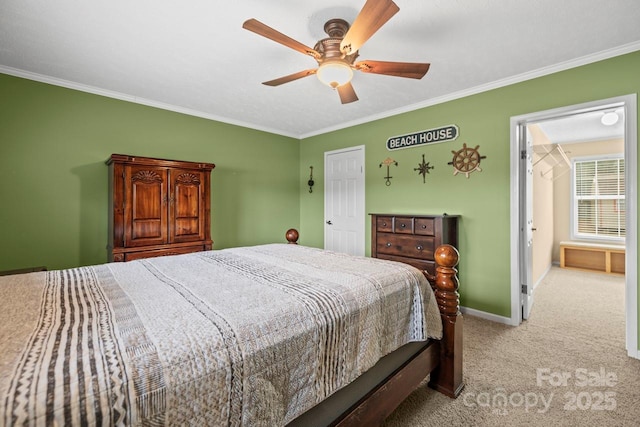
(157, 207)
(412, 239)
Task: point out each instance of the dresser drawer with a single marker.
(403, 245)
(425, 226)
(412, 239)
(384, 224)
(420, 264)
(403, 225)
(130, 256)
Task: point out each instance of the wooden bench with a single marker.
(607, 258)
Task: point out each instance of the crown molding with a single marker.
(540, 72)
(135, 99)
(566, 65)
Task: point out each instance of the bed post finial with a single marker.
(292, 236)
(446, 280)
(447, 378)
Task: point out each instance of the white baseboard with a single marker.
(634, 354)
(487, 316)
(535, 285)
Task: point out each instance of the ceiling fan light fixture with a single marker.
(337, 53)
(609, 118)
(335, 73)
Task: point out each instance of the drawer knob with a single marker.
(388, 244)
(419, 247)
(424, 226)
(403, 225)
(384, 224)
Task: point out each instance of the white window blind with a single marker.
(599, 199)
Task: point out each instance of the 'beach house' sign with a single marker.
(429, 136)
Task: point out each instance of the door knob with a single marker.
(329, 222)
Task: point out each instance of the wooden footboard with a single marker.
(441, 359)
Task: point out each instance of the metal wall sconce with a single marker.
(310, 182)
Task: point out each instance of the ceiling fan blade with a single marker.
(347, 94)
(412, 70)
(290, 77)
(264, 30)
(374, 14)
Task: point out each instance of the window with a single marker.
(598, 198)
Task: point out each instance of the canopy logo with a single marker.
(429, 136)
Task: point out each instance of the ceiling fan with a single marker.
(337, 53)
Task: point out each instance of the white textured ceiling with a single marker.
(194, 56)
(584, 127)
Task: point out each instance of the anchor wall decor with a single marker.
(388, 162)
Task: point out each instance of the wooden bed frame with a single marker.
(441, 359)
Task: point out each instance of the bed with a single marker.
(278, 334)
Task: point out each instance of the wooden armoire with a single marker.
(158, 207)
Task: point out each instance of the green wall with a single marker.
(53, 179)
(483, 199)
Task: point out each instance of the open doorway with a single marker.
(542, 149)
(579, 192)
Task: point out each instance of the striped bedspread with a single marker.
(249, 336)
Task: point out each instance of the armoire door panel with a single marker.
(145, 206)
(146, 229)
(187, 200)
(147, 201)
(187, 228)
(187, 210)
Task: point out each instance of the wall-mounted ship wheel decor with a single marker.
(466, 160)
(423, 169)
(388, 162)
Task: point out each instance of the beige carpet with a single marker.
(565, 366)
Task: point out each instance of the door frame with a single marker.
(525, 249)
(629, 103)
(360, 193)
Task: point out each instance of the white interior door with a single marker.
(344, 214)
(526, 222)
